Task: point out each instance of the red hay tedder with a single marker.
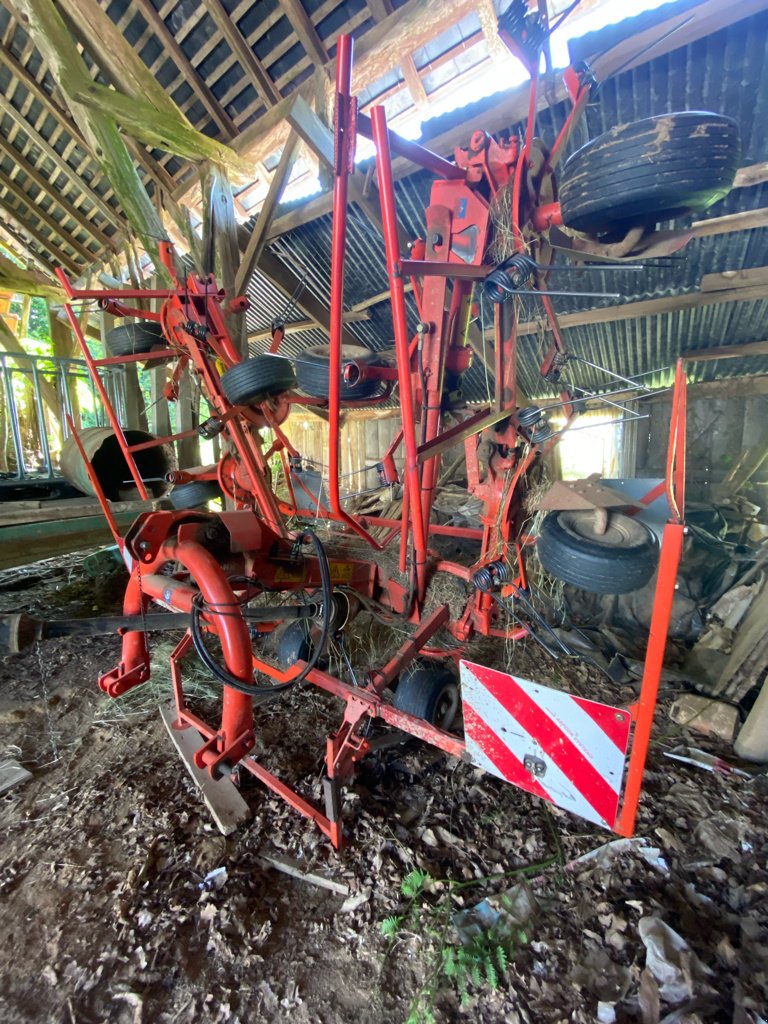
(247, 570)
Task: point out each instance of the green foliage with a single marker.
(414, 882)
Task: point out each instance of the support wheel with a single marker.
(312, 371)
(618, 561)
(194, 494)
(650, 171)
(134, 339)
(428, 693)
(257, 379)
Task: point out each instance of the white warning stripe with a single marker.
(561, 789)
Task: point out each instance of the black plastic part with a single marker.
(254, 380)
(314, 378)
(566, 550)
(134, 339)
(295, 644)
(194, 494)
(428, 693)
(650, 171)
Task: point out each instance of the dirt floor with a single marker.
(104, 851)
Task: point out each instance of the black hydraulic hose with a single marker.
(250, 689)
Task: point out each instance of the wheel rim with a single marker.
(446, 706)
(621, 531)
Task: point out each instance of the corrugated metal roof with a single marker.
(726, 72)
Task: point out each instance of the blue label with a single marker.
(462, 208)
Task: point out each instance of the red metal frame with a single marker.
(205, 551)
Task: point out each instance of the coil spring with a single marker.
(529, 416)
(488, 576)
(509, 276)
(543, 433)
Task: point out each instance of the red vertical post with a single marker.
(397, 290)
(669, 561)
(343, 164)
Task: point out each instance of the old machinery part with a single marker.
(428, 693)
(650, 171)
(134, 339)
(254, 380)
(195, 494)
(312, 372)
(542, 433)
(529, 416)
(618, 560)
(226, 677)
(494, 574)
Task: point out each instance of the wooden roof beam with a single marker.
(42, 215)
(749, 348)
(381, 9)
(220, 117)
(111, 215)
(251, 65)
(755, 174)
(306, 32)
(744, 221)
(48, 184)
(46, 243)
(6, 232)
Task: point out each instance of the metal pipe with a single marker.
(389, 218)
(343, 151)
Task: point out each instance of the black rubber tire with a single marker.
(134, 339)
(194, 494)
(314, 379)
(619, 561)
(649, 171)
(254, 380)
(296, 644)
(429, 693)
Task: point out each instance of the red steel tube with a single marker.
(338, 246)
(389, 218)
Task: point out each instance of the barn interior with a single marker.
(383, 530)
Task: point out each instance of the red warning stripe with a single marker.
(615, 729)
(497, 751)
(553, 741)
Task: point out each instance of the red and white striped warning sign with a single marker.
(563, 748)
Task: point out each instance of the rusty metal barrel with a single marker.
(110, 466)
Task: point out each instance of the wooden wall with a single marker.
(727, 437)
(365, 436)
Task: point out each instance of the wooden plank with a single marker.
(220, 117)
(52, 511)
(749, 348)
(28, 542)
(305, 122)
(731, 279)
(247, 59)
(374, 300)
(755, 174)
(647, 307)
(20, 246)
(258, 238)
(297, 870)
(414, 83)
(221, 796)
(298, 326)
(305, 31)
(747, 220)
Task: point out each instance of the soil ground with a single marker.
(104, 849)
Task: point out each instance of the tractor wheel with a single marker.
(194, 494)
(297, 644)
(618, 561)
(134, 339)
(650, 171)
(312, 371)
(254, 380)
(429, 693)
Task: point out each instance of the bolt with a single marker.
(436, 240)
(144, 545)
(619, 717)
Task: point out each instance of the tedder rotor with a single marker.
(492, 228)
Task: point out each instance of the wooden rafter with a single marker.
(749, 348)
(26, 228)
(44, 217)
(744, 221)
(248, 60)
(112, 215)
(78, 216)
(755, 174)
(13, 239)
(305, 31)
(381, 9)
(220, 117)
(258, 238)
